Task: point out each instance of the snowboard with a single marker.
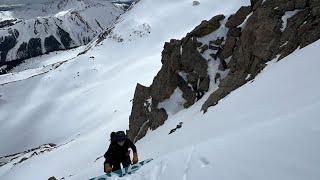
(123, 171)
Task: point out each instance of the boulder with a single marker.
(238, 18)
(204, 48)
(228, 48)
(218, 41)
(139, 114)
(207, 27)
(234, 32)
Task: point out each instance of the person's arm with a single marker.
(132, 146)
(108, 155)
(134, 149)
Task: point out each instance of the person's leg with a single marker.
(126, 162)
(116, 166)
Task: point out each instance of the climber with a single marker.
(119, 153)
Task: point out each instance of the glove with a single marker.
(107, 168)
(135, 158)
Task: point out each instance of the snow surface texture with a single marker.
(267, 129)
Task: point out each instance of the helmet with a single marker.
(120, 136)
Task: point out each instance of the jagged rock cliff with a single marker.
(223, 54)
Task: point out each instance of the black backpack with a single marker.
(113, 137)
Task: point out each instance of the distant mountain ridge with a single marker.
(123, 4)
(30, 30)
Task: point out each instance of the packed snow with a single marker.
(286, 16)
(267, 129)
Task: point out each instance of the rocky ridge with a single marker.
(223, 53)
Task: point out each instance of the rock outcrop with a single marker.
(184, 68)
(255, 34)
(52, 178)
(18, 158)
(266, 36)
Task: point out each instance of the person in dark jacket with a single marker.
(118, 153)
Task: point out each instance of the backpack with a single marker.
(113, 137)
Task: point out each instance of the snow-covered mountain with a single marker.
(124, 4)
(35, 29)
(56, 116)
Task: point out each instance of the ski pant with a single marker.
(125, 163)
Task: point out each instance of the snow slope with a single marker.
(267, 129)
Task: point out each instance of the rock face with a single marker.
(183, 68)
(8, 42)
(264, 37)
(26, 155)
(254, 35)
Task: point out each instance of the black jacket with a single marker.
(117, 153)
